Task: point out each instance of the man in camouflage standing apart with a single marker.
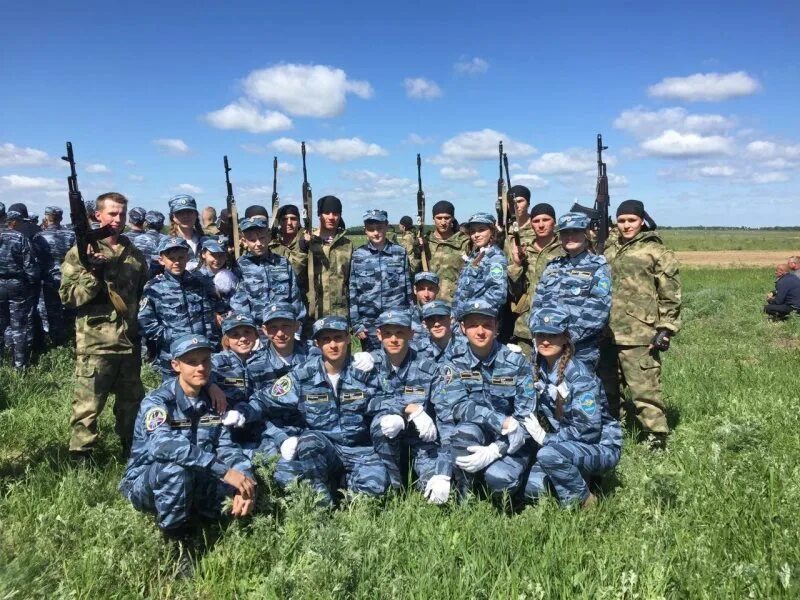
(59, 240)
(446, 246)
(106, 298)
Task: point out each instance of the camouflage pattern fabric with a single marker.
(445, 258)
(265, 280)
(483, 277)
(408, 241)
(147, 243)
(296, 257)
(59, 322)
(332, 275)
(18, 273)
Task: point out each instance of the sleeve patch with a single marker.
(588, 405)
(282, 387)
(604, 286)
(154, 418)
(143, 303)
(497, 272)
(447, 374)
(528, 387)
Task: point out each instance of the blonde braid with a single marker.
(566, 356)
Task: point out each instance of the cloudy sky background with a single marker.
(696, 101)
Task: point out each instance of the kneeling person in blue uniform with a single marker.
(183, 462)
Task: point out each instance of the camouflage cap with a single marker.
(549, 320)
(334, 323)
(186, 343)
(155, 218)
(213, 246)
(182, 202)
(478, 307)
(90, 206)
(236, 320)
(14, 215)
(170, 242)
(53, 211)
(481, 218)
(401, 318)
(279, 310)
(248, 224)
(136, 215)
(426, 276)
(2, 210)
(376, 214)
(435, 308)
(573, 220)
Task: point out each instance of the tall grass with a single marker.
(714, 516)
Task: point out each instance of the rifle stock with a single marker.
(230, 201)
(421, 214)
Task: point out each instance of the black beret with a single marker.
(407, 222)
(329, 204)
(520, 191)
(288, 209)
(631, 207)
(543, 208)
(443, 207)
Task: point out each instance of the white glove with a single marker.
(515, 437)
(233, 418)
(424, 424)
(289, 448)
(535, 429)
(363, 361)
(225, 282)
(514, 348)
(392, 425)
(438, 489)
(480, 458)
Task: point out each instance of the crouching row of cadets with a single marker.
(443, 407)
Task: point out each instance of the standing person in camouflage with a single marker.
(410, 243)
(287, 243)
(265, 276)
(426, 288)
(446, 246)
(580, 284)
(59, 240)
(332, 251)
(330, 398)
(185, 223)
(379, 279)
(177, 302)
(18, 272)
(540, 245)
(210, 227)
(645, 315)
(136, 217)
(148, 242)
(484, 274)
(107, 336)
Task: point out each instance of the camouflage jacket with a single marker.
(483, 277)
(408, 240)
(266, 279)
(646, 289)
(331, 275)
(99, 329)
(16, 257)
(297, 258)
(444, 259)
(59, 240)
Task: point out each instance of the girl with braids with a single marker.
(580, 438)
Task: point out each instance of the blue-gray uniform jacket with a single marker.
(482, 278)
(580, 286)
(264, 280)
(16, 258)
(305, 396)
(132, 235)
(485, 392)
(178, 434)
(586, 417)
(379, 281)
(59, 240)
(172, 306)
(147, 243)
(425, 347)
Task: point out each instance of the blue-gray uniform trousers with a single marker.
(505, 475)
(395, 454)
(14, 318)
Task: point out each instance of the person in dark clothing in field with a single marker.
(786, 297)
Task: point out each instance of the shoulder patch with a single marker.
(154, 418)
(497, 272)
(604, 286)
(143, 303)
(587, 403)
(447, 374)
(527, 386)
(281, 387)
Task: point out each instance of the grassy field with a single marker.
(714, 516)
(731, 239)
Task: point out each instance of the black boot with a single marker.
(182, 550)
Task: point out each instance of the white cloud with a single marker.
(418, 140)
(15, 156)
(708, 87)
(573, 160)
(172, 145)
(645, 123)
(770, 177)
(338, 150)
(137, 178)
(421, 89)
(371, 185)
(482, 145)
(253, 148)
(471, 66)
(188, 188)
(23, 182)
(531, 181)
(458, 172)
(716, 171)
(673, 144)
(97, 168)
(305, 90)
(245, 116)
(480, 183)
(767, 150)
(130, 163)
(615, 180)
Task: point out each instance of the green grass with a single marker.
(731, 239)
(714, 516)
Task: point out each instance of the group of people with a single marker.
(484, 363)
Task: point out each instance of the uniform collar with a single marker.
(488, 361)
(185, 406)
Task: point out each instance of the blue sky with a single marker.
(696, 101)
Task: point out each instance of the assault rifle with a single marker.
(511, 225)
(500, 203)
(421, 214)
(230, 201)
(599, 213)
(275, 201)
(307, 212)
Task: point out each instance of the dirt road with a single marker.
(731, 258)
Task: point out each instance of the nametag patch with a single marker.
(234, 381)
(504, 380)
(180, 424)
(210, 421)
(352, 396)
(470, 376)
(413, 391)
(316, 397)
(584, 274)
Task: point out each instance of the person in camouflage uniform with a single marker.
(148, 242)
(105, 299)
(379, 279)
(59, 240)
(136, 217)
(445, 246)
(540, 245)
(410, 243)
(210, 227)
(286, 242)
(645, 315)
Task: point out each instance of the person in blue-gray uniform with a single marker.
(177, 302)
(136, 218)
(579, 283)
(148, 242)
(183, 462)
(426, 288)
(486, 392)
(403, 427)
(440, 341)
(266, 277)
(213, 267)
(185, 223)
(484, 274)
(575, 432)
(60, 322)
(379, 279)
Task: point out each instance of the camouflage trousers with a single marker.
(564, 465)
(175, 493)
(14, 319)
(502, 476)
(57, 320)
(97, 375)
(408, 449)
(324, 464)
(639, 369)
